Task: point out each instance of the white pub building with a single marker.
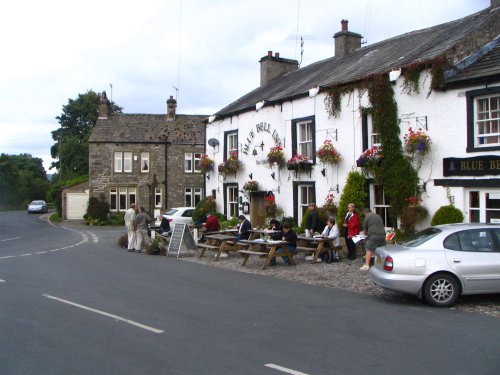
(292, 108)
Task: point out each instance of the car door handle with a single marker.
(457, 260)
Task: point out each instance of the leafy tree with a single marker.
(354, 192)
(77, 120)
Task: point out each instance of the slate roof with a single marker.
(143, 128)
(381, 57)
(481, 67)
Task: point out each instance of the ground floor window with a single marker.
(381, 205)
(306, 194)
(193, 196)
(121, 198)
(158, 195)
(484, 206)
(231, 209)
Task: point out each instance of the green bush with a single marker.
(411, 216)
(117, 218)
(97, 211)
(205, 206)
(232, 222)
(447, 215)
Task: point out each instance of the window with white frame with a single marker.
(487, 121)
(232, 201)
(123, 162)
(192, 162)
(144, 162)
(373, 133)
(484, 206)
(381, 205)
(305, 139)
(121, 198)
(305, 196)
(231, 143)
(158, 195)
(192, 196)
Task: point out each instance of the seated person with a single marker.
(164, 226)
(276, 226)
(288, 235)
(332, 232)
(244, 228)
(212, 223)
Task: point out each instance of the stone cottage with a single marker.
(148, 159)
(442, 82)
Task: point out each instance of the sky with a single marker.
(205, 53)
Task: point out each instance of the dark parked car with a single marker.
(37, 206)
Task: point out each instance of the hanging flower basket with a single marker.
(299, 163)
(251, 185)
(417, 142)
(206, 164)
(276, 156)
(327, 154)
(270, 206)
(231, 165)
(370, 159)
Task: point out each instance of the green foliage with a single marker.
(97, 211)
(447, 215)
(22, 179)
(411, 216)
(117, 218)
(77, 120)
(224, 224)
(395, 173)
(333, 99)
(320, 223)
(205, 206)
(354, 192)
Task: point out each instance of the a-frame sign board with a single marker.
(181, 237)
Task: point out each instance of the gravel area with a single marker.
(343, 275)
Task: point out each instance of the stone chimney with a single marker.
(346, 41)
(495, 3)
(103, 107)
(171, 106)
(272, 67)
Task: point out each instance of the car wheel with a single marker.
(441, 290)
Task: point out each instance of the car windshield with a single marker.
(37, 203)
(421, 237)
(170, 212)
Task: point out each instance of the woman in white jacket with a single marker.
(332, 232)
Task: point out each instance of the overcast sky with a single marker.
(53, 50)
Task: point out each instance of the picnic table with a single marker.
(316, 245)
(265, 249)
(221, 243)
(259, 233)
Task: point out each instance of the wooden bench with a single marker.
(204, 247)
(246, 254)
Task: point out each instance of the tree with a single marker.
(77, 120)
(354, 192)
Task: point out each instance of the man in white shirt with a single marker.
(131, 227)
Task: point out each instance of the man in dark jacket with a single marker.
(312, 219)
(245, 228)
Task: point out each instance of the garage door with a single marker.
(76, 205)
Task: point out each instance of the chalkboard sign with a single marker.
(180, 236)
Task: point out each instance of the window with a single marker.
(306, 196)
(192, 162)
(121, 198)
(231, 208)
(231, 143)
(192, 196)
(374, 133)
(144, 162)
(484, 206)
(470, 240)
(158, 195)
(303, 141)
(123, 162)
(483, 119)
(381, 206)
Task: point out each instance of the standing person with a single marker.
(211, 224)
(288, 235)
(332, 232)
(373, 227)
(351, 225)
(245, 228)
(142, 220)
(312, 219)
(130, 225)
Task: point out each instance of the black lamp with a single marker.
(273, 176)
(250, 176)
(208, 177)
(323, 172)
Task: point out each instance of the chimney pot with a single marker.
(277, 55)
(269, 53)
(344, 25)
(171, 106)
(103, 107)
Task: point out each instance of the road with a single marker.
(73, 302)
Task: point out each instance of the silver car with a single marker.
(37, 206)
(442, 262)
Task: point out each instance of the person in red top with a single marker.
(351, 223)
(212, 223)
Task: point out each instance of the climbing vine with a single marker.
(333, 98)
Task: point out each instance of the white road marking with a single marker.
(8, 256)
(25, 255)
(2, 281)
(41, 252)
(10, 239)
(284, 369)
(143, 326)
(95, 239)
